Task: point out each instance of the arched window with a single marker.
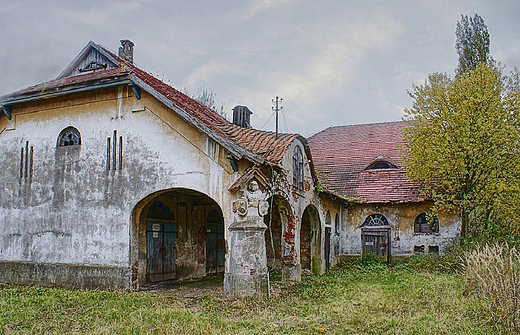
(69, 136)
(328, 219)
(298, 168)
(426, 224)
(336, 224)
(158, 210)
(376, 220)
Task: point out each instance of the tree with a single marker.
(472, 43)
(463, 146)
(206, 97)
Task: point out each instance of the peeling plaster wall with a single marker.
(292, 203)
(401, 218)
(60, 205)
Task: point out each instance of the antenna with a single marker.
(277, 102)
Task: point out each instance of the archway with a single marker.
(177, 234)
(310, 241)
(277, 222)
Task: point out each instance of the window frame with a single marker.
(69, 132)
(421, 226)
(298, 168)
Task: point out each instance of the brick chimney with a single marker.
(242, 116)
(126, 51)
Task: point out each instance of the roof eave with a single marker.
(237, 151)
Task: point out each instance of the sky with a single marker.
(333, 62)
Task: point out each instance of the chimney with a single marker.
(126, 51)
(242, 116)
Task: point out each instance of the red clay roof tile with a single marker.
(341, 155)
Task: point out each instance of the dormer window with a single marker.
(69, 136)
(298, 168)
(381, 165)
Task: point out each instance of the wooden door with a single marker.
(377, 242)
(328, 233)
(161, 237)
(215, 251)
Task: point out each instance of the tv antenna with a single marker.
(277, 102)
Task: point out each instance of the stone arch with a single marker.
(310, 241)
(177, 234)
(280, 234)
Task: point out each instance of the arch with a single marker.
(277, 221)
(426, 224)
(177, 234)
(69, 136)
(310, 241)
(376, 220)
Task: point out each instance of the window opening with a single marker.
(381, 165)
(336, 224)
(376, 220)
(426, 224)
(328, 219)
(298, 168)
(158, 210)
(69, 136)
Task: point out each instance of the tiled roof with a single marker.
(342, 154)
(262, 143)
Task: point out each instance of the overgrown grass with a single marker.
(493, 274)
(356, 298)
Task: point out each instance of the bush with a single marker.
(493, 274)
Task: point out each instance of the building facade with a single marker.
(114, 179)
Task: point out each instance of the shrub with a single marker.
(493, 274)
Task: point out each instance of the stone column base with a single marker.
(292, 272)
(246, 286)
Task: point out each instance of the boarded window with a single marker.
(426, 224)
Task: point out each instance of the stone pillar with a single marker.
(247, 274)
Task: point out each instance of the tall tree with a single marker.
(463, 146)
(472, 43)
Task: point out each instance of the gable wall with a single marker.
(68, 208)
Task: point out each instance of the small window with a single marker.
(381, 165)
(336, 224)
(328, 219)
(69, 136)
(298, 168)
(376, 220)
(433, 250)
(418, 249)
(426, 224)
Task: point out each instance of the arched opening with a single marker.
(177, 234)
(310, 241)
(276, 221)
(375, 237)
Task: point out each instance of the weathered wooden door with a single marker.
(327, 247)
(161, 238)
(377, 242)
(215, 251)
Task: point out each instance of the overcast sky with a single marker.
(333, 62)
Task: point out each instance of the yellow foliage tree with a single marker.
(463, 147)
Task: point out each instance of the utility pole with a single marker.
(277, 102)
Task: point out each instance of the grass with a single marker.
(353, 299)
